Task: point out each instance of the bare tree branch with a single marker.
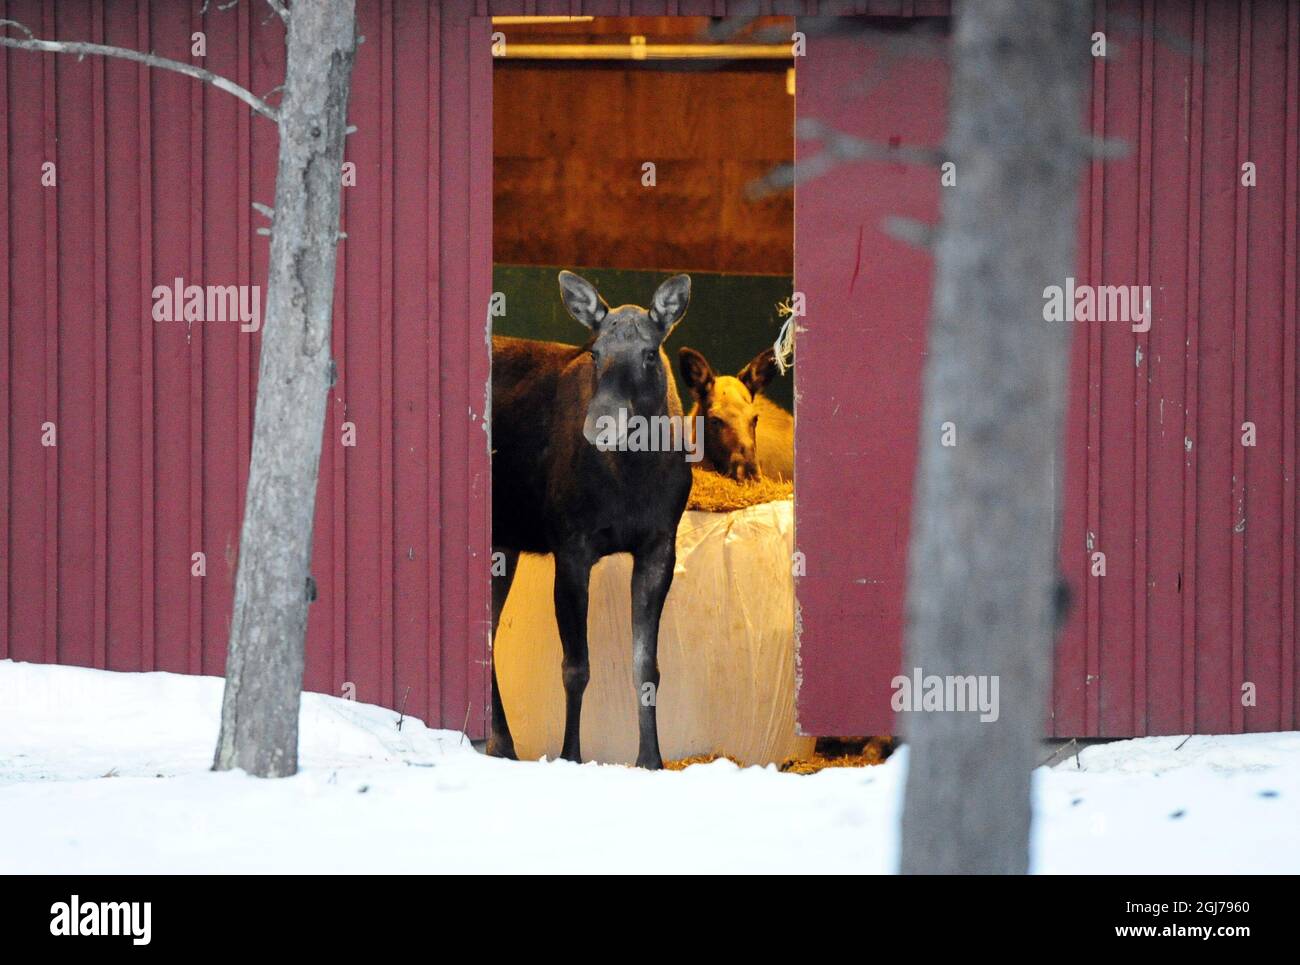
(923, 37)
(1170, 38)
(846, 148)
(81, 49)
(839, 147)
(918, 234)
(281, 11)
(851, 148)
(1106, 148)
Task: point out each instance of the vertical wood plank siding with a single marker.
(1198, 530)
(156, 176)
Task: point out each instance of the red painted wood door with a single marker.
(1191, 626)
(858, 375)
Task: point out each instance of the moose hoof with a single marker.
(501, 748)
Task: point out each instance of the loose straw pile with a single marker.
(713, 493)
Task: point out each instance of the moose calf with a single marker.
(746, 435)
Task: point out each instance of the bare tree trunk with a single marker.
(983, 554)
(259, 715)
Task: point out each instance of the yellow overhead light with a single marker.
(646, 51)
(520, 21)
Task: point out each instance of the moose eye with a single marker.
(649, 359)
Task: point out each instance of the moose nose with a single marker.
(742, 469)
(603, 428)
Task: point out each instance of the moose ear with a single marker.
(759, 372)
(670, 301)
(695, 370)
(582, 300)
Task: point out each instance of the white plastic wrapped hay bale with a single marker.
(726, 648)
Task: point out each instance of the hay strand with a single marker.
(714, 493)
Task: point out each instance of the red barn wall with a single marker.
(156, 176)
(1199, 531)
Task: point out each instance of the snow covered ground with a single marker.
(108, 772)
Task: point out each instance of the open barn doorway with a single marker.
(629, 151)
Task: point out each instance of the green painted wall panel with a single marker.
(731, 317)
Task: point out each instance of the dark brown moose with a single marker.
(563, 484)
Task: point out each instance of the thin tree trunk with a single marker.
(983, 554)
(259, 714)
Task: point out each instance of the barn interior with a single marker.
(629, 149)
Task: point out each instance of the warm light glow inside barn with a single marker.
(628, 150)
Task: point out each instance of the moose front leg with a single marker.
(500, 743)
(652, 575)
(572, 574)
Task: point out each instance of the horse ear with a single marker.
(670, 301)
(759, 372)
(582, 300)
(696, 371)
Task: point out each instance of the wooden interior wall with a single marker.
(569, 144)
